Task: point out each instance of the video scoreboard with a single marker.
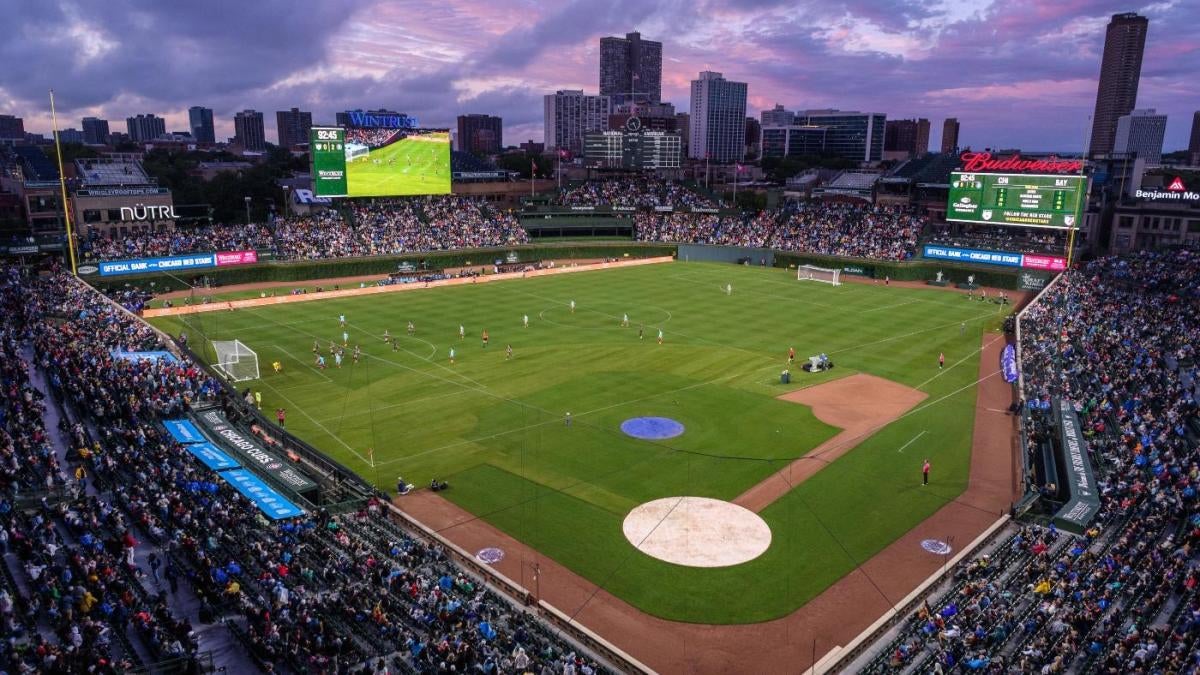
(327, 145)
(1025, 200)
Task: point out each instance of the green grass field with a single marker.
(494, 428)
(418, 165)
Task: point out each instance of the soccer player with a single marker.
(925, 473)
(641, 331)
(660, 336)
(462, 332)
(278, 367)
(485, 338)
(507, 352)
(332, 347)
(258, 399)
(625, 320)
(281, 416)
(411, 328)
(320, 362)
(387, 337)
(337, 359)
(345, 338)
(316, 347)
(791, 354)
(395, 345)
(452, 355)
(357, 353)
(941, 360)
(728, 289)
(572, 306)
(342, 320)
(525, 318)
(962, 329)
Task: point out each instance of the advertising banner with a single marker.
(147, 265)
(1008, 363)
(236, 258)
(1084, 504)
(212, 457)
(183, 431)
(971, 255)
(144, 356)
(253, 453)
(1053, 263)
(270, 502)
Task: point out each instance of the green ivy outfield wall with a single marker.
(312, 270)
(921, 270)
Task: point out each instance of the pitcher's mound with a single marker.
(697, 532)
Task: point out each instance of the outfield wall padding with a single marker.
(729, 254)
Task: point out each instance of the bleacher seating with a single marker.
(108, 171)
(35, 164)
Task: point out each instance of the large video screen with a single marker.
(1025, 200)
(369, 162)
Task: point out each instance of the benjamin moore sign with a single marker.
(253, 453)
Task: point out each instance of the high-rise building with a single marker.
(70, 135)
(777, 117)
(950, 135)
(145, 127)
(1120, 70)
(718, 119)
(569, 114)
(1141, 132)
(95, 131)
(292, 127)
(480, 134)
(630, 66)
(248, 131)
(683, 126)
(792, 140)
(200, 121)
(910, 137)
(853, 135)
(12, 127)
(1194, 140)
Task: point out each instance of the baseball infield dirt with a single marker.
(789, 644)
(859, 404)
(697, 531)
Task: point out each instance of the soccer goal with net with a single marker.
(822, 274)
(235, 360)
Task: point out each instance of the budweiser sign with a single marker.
(983, 162)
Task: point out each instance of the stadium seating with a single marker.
(1116, 340)
(644, 192)
(326, 592)
(105, 171)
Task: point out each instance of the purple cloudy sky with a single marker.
(1015, 72)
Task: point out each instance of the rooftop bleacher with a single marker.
(110, 171)
(850, 180)
(36, 165)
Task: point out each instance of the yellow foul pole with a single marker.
(62, 184)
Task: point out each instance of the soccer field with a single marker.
(494, 428)
(418, 165)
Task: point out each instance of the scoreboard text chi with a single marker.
(1016, 199)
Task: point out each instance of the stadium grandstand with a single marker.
(123, 552)
(34, 163)
(854, 185)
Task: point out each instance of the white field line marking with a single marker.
(914, 438)
(479, 385)
(899, 304)
(915, 332)
(304, 364)
(556, 420)
(456, 392)
(943, 371)
(322, 426)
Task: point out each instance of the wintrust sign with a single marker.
(141, 212)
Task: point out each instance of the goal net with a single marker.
(235, 360)
(822, 274)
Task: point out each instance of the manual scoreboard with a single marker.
(1025, 200)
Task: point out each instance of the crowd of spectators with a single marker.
(640, 192)
(849, 230)
(347, 592)
(390, 227)
(372, 138)
(156, 243)
(1115, 341)
(1001, 238)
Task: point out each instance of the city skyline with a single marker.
(992, 65)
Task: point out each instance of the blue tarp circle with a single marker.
(652, 428)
